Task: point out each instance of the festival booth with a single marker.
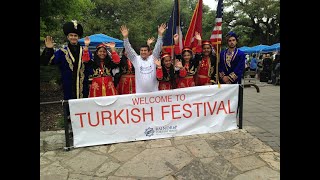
(272, 48)
(244, 48)
(260, 48)
(255, 49)
(96, 39)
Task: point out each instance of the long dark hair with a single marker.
(107, 61)
(123, 61)
(171, 72)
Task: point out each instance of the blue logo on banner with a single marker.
(149, 132)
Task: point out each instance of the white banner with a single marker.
(161, 114)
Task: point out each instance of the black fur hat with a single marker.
(73, 27)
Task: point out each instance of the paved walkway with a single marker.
(261, 114)
(237, 154)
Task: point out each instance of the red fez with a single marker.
(206, 42)
(186, 49)
(165, 55)
(101, 45)
(166, 50)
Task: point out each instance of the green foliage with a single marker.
(54, 13)
(50, 74)
(256, 21)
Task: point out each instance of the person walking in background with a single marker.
(276, 69)
(267, 67)
(253, 64)
(145, 68)
(232, 61)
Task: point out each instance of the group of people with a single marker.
(267, 67)
(91, 75)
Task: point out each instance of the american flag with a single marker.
(216, 36)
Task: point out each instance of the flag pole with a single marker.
(217, 65)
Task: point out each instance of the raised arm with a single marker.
(158, 46)
(131, 54)
(47, 54)
(114, 55)
(150, 41)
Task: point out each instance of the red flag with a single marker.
(216, 36)
(194, 26)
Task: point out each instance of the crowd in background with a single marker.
(266, 66)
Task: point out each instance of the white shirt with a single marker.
(145, 70)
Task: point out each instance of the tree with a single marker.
(256, 21)
(54, 13)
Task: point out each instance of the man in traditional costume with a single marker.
(232, 62)
(72, 61)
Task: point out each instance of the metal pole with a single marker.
(65, 107)
(240, 105)
(66, 126)
(53, 102)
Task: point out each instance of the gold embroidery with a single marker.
(110, 86)
(67, 58)
(229, 78)
(209, 66)
(192, 71)
(167, 78)
(71, 54)
(229, 57)
(163, 87)
(103, 88)
(80, 77)
(233, 76)
(130, 86)
(51, 59)
(123, 83)
(95, 87)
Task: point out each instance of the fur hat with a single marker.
(73, 27)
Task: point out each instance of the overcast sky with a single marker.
(211, 3)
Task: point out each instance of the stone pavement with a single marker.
(237, 154)
(261, 113)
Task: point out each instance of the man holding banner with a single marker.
(145, 68)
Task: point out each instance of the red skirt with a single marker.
(164, 85)
(102, 86)
(187, 81)
(127, 84)
(201, 80)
